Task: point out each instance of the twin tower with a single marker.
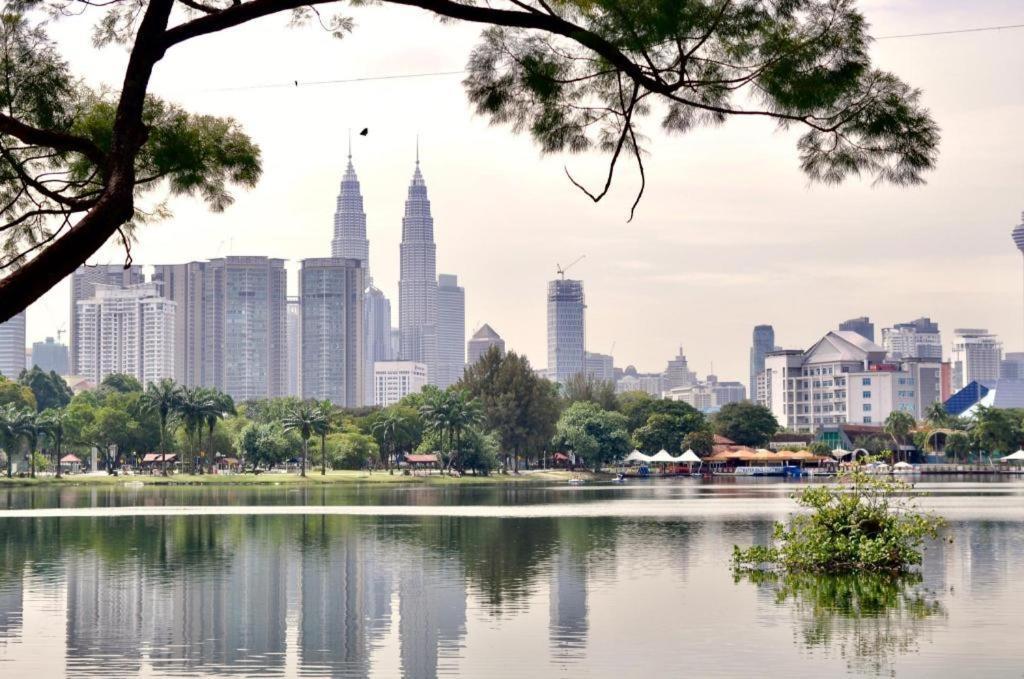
(431, 311)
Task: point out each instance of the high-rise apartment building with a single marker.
(51, 356)
(919, 338)
(451, 331)
(12, 346)
(394, 380)
(566, 329)
(246, 344)
(126, 330)
(332, 290)
(294, 342)
(678, 373)
(83, 286)
(1012, 366)
(417, 287)
(184, 284)
(861, 325)
(481, 342)
(977, 355)
(763, 342)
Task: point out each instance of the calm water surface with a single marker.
(471, 581)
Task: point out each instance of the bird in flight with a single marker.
(365, 132)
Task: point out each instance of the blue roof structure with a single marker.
(962, 400)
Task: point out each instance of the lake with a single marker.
(474, 581)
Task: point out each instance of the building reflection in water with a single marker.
(351, 596)
(567, 622)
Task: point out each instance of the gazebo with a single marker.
(70, 464)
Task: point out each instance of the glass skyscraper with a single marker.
(566, 329)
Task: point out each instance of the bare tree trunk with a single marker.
(305, 447)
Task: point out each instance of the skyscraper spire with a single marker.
(417, 287)
(350, 219)
(350, 145)
(417, 149)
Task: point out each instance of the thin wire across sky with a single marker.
(432, 74)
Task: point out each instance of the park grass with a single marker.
(313, 478)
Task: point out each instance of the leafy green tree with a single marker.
(111, 428)
(996, 430)
(121, 383)
(638, 407)
(162, 397)
(701, 442)
(898, 426)
(16, 394)
(259, 443)
(585, 387)
(49, 388)
(666, 431)
(304, 420)
(597, 436)
(577, 75)
(520, 407)
(746, 423)
(819, 448)
(351, 450)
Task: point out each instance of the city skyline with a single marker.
(713, 260)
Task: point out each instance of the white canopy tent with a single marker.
(637, 456)
(1015, 457)
(839, 453)
(663, 456)
(689, 456)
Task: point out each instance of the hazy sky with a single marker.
(729, 234)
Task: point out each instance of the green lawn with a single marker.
(312, 478)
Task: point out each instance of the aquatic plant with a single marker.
(862, 523)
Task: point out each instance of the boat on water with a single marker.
(767, 470)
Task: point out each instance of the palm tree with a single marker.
(451, 412)
(389, 427)
(304, 419)
(936, 415)
(191, 408)
(219, 405)
(464, 412)
(54, 423)
(11, 424)
(325, 423)
(25, 426)
(898, 425)
(162, 397)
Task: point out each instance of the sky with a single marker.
(729, 234)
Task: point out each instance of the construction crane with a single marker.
(561, 270)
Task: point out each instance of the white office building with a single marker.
(566, 329)
(126, 330)
(12, 346)
(977, 355)
(843, 379)
(394, 380)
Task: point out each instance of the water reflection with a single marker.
(870, 619)
(449, 596)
